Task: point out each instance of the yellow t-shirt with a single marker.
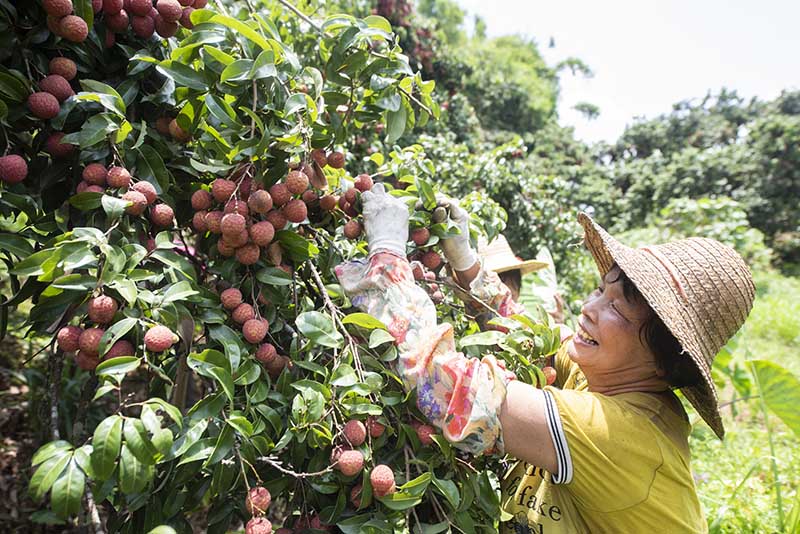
(623, 465)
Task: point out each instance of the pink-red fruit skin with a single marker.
(355, 432)
(119, 177)
(68, 338)
(255, 330)
(102, 309)
(350, 462)
(230, 298)
(382, 480)
(56, 85)
(89, 341)
(258, 525)
(13, 169)
(147, 189)
(57, 8)
(73, 28)
(64, 67)
(201, 199)
(258, 500)
(138, 203)
(43, 105)
(159, 338)
(162, 215)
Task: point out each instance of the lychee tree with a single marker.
(175, 195)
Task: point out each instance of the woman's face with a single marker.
(606, 341)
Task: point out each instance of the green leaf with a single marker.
(178, 292)
(68, 491)
(133, 474)
(105, 446)
(239, 70)
(449, 489)
(118, 367)
(183, 75)
(222, 111)
(115, 332)
(273, 276)
(113, 102)
(408, 495)
(49, 450)
(137, 440)
(319, 329)
(780, 391)
(395, 124)
(83, 9)
(343, 376)
(241, 28)
(363, 320)
(150, 167)
(379, 337)
(488, 338)
(241, 425)
(224, 379)
(223, 446)
(47, 473)
(17, 245)
(113, 206)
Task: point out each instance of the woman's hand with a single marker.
(457, 249)
(385, 221)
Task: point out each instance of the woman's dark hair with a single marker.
(677, 367)
(512, 279)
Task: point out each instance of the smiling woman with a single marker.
(605, 449)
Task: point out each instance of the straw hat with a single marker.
(498, 257)
(700, 288)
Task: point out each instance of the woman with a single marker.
(608, 450)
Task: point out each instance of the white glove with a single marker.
(385, 221)
(457, 249)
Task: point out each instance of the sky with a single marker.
(648, 55)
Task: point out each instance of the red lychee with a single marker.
(200, 4)
(143, 26)
(118, 22)
(237, 206)
(162, 215)
(437, 297)
(86, 187)
(13, 169)
(186, 18)
(318, 155)
(138, 202)
(201, 199)
(355, 496)
(232, 224)
(280, 194)
(374, 428)
(73, 28)
(199, 221)
(258, 498)
(224, 248)
(119, 177)
(255, 330)
(355, 432)
(260, 202)
(243, 313)
(222, 189)
(248, 254)
(382, 480)
(363, 182)
(64, 67)
(140, 7)
(147, 189)
(295, 211)
(178, 133)
(311, 198)
(266, 353)
(420, 236)
(162, 125)
(102, 309)
(262, 233)
(56, 85)
(296, 182)
(57, 8)
(68, 338)
(165, 28)
(277, 219)
(120, 348)
(85, 361)
(95, 173)
(171, 10)
(351, 195)
(258, 525)
(111, 7)
(89, 341)
(352, 229)
(54, 25)
(43, 105)
(350, 462)
(431, 260)
(230, 298)
(328, 202)
(336, 160)
(237, 240)
(424, 433)
(159, 338)
(214, 221)
(277, 365)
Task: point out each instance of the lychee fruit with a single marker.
(224, 248)
(13, 169)
(165, 28)
(280, 194)
(382, 480)
(431, 259)
(258, 498)
(89, 341)
(57, 8)
(296, 182)
(277, 365)
(73, 29)
(350, 462)
(140, 7)
(64, 67)
(328, 202)
(235, 205)
(437, 297)
(255, 330)
(159, 338)
(162, 215)
(85, 361)
(56, 148)
(199, 221)
(111, 7)
(43, 105)
(118, 22)
(258, 525)
(424, 433)
(237, 240)
(214, 221)
(230, 298)
(119, 177)
(277, 219)
(170, 10)
(120, 348)
(355, 432)
(336, 160)
(200, 4)
(266, 353)
(97, 6)
(375, 428)
(102, 309)
(56, 85)
(201, 199)
(232, 224)
(54, 25)
(351, 195)
(420, 236)
(355, 496)
(162, 125)
(86, 187)
(147, 189)
(138, 202)
(186, 18)
(143, 26)
(243, 313)
(222, 189)
(178, 133)
(68, 337)
(311, 198)
(248, 254)
(295, 211)
(319, 157)
(352, 229)
(95, 173)
(262, 233)
(363, 182)
(260, 202)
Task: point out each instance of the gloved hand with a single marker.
(457, 249)
(385, 221)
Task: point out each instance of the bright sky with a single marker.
(648, 55)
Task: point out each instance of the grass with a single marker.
(734, 477)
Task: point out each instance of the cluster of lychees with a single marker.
(84, 342)
(257, 501)
(62, 22)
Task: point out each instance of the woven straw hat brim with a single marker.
(498, 257)
(700, 288)
(524, 266)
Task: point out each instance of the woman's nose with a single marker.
(589, 307)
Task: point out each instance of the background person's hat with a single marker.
(700, 288)
(498, 257)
